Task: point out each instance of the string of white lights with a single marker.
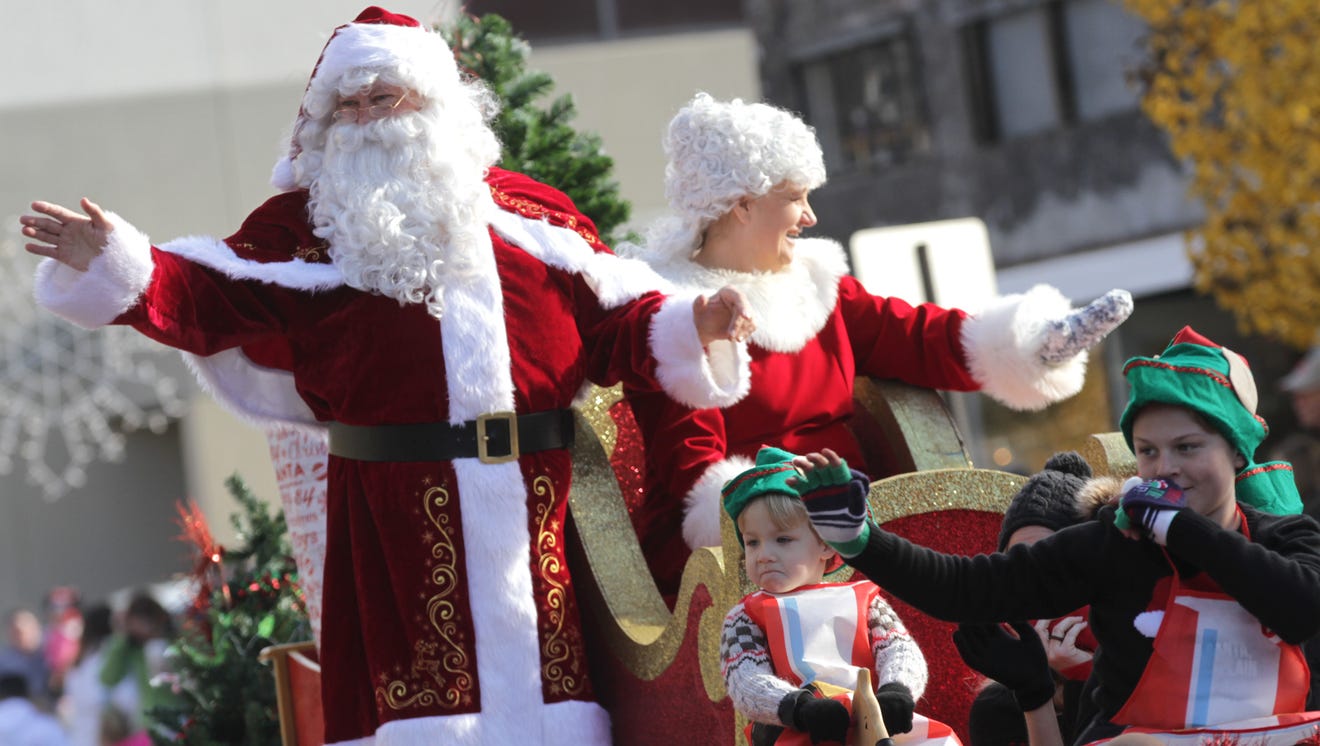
(68, 395)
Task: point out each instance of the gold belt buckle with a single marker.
(482, 455)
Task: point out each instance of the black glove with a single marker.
(1019, 664)
(896, 706)
(822, 719)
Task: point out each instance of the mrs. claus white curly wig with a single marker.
(720, 152)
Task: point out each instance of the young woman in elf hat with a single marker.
(738, 180)
(1199, 605)
(780, 645)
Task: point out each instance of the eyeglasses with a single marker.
(352, 112)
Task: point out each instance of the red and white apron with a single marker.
(807, 646)
(1215, 669)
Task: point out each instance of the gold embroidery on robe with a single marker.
(438, 675)
(555, 651)
(530, 209)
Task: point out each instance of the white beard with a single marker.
(403, 214)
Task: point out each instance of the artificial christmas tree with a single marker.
(538, 141)
(247, 598)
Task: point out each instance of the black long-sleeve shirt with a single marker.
(1275, 576)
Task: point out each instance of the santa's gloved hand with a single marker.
(1018, 663)
(896, 706)
(1150, 504)
(1085, 327)
(835, 498)
(821, 719)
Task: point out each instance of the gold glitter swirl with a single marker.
(594, 406)
(555, 650)
(942, 489)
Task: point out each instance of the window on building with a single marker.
(1104, 44)
(1050, 65)
(567, 20)
(866, 104)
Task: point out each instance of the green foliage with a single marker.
(219, 693)
(538, 141)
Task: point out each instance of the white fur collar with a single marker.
(790, 306)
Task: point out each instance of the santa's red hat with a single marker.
(377, 40)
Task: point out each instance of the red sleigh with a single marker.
(657, 671)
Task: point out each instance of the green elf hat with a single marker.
(774, 467)
(1216, 383)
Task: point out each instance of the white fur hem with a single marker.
(1148, 622)
(700, 378)
(260, 396)
(702, 505)
(561, 724)
(615, 281)
(112, 284)
(1003, 343)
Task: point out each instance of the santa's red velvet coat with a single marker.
(449, 612)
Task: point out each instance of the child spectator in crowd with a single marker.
(1205, 563)
(135, 655)
(1053, 499)
(85, 697)
(781, 645)
(22, 654)
(22, 723)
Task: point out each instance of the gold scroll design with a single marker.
(555, 650)
(530, 209)
(440, 610)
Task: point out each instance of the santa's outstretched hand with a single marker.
(1085, 327)
(66, 236)
(722, 316)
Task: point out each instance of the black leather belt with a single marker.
(493, 438)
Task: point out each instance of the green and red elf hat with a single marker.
(774, 467)
(1196, 374)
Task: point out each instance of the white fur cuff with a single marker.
(702, 505)
(1002, 345)
(111, 285)
(700, 378)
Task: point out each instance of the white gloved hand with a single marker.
(1085, 327)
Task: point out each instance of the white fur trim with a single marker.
(264, 397)
(282, 176)
(416, 53)
(294, 273)
(112, 284)
(1002, 345)
(1148, 622)
(703, 504)
(256, 394)
(560, 724)
(790, 306)
(614, 280)
(715, 377)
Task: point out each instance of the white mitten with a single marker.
(1085, 327)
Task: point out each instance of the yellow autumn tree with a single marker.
(1236, 84)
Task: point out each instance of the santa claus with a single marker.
(435, 316)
